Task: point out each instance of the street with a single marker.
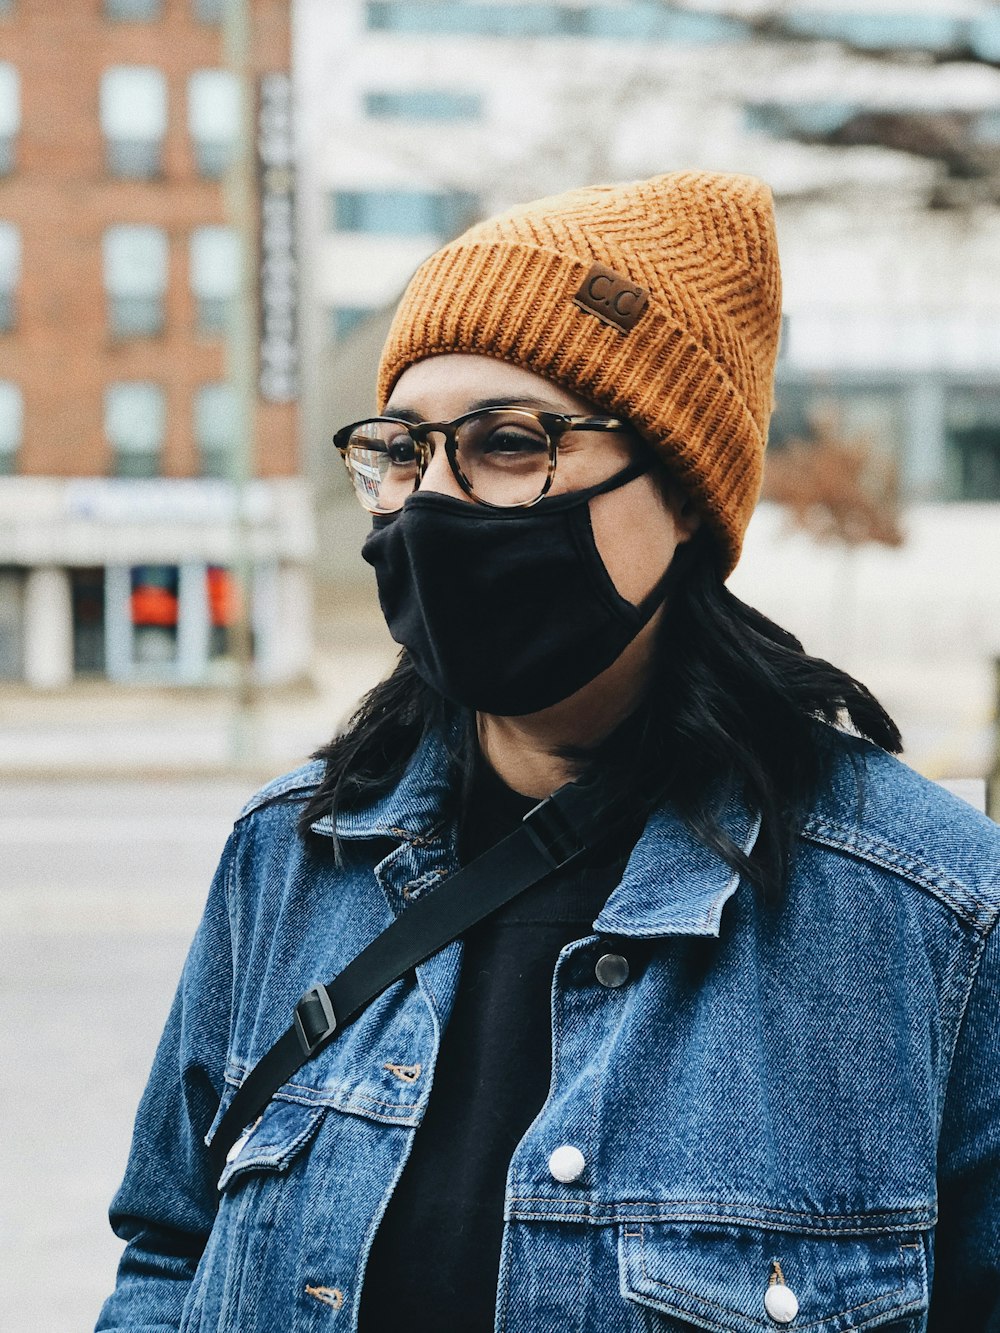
(102, 888)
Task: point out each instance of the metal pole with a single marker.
(239, 188)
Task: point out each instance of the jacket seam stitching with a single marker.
(879, 853)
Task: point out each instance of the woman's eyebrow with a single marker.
(481, 405)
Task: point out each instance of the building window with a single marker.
(154, 604)
(10, 115)
(213, 118)
(87, 591)
(12, 579)
(11, 426)
(344, 319)
(134, 11)
(135, 423)
(209, 11)
(133, 119)
(215, 428)
(215, 272)
(972, 441)
(424, 104)
(10, 274)
(878, 32)
(402, 212)
(135, 279)
(641, 20)
(798, 120)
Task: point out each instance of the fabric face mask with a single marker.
(504, 610)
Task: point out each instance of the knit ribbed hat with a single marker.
(659, 301)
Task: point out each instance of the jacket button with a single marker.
(566, 1163)
(781, 1303)
(611, 970)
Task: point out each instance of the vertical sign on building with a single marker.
(278, 378)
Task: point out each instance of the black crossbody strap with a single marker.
(554, 833)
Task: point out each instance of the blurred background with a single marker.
(207, 211)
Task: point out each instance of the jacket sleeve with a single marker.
(967, 1248)
(167, 1201)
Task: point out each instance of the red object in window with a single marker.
(153, 606)
(223, 596)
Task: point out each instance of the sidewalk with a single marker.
(97, 729)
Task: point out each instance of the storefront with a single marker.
(136, 582)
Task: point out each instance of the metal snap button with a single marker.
(611, 970)
(566, 1163)
(780, 1301)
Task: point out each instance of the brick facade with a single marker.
(62, 198)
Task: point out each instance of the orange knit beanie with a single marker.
(659, 301)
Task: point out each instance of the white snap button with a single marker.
(781, 1303)
(566, 1163)
(237, 1147)
(611, 970)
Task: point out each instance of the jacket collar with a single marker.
(673, 883)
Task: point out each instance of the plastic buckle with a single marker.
(552, 832)
(313, 1028)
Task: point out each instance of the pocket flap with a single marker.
(717, 1276)
(273, 1143)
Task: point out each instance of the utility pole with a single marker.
(240, 194)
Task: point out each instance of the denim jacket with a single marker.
(803, 1097)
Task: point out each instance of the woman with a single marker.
(735, 1066)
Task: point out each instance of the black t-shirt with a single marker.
(436, 1255)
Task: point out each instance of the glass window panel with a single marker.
(11, 424)
(10, 273)
(10, 99)
(134, 10)
(133, 102)
(135, 260)
(785, 120)
(985, 36)
(135, 421)
(213, 118)
(135, 278)
(883, 31)
(154, 605)
(209, 11)
(476, 20)
(133, 106)
(656, 22)
(402, 212)
(424, 104)
(972, 439)
(345, 318)
(88, 620)
(215, 271)
(214, 428)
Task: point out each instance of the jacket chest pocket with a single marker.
(742, 1279)
(273, 1144)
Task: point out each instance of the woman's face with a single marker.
(637, 527)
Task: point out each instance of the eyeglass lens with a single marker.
(503, 455)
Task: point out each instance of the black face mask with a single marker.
(505, 610)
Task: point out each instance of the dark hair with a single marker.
(733, 699)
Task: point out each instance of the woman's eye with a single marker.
(510, 440)
(401, 451)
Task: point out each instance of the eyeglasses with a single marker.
(502, 457)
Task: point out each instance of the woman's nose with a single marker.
(438, 475)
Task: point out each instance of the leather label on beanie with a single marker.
(612, 298)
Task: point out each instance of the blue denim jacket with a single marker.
(804, 1096)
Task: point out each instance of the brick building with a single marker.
(123, 293)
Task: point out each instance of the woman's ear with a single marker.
(686, 514)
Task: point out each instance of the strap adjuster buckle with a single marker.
(315, 1020)
(553, 831)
